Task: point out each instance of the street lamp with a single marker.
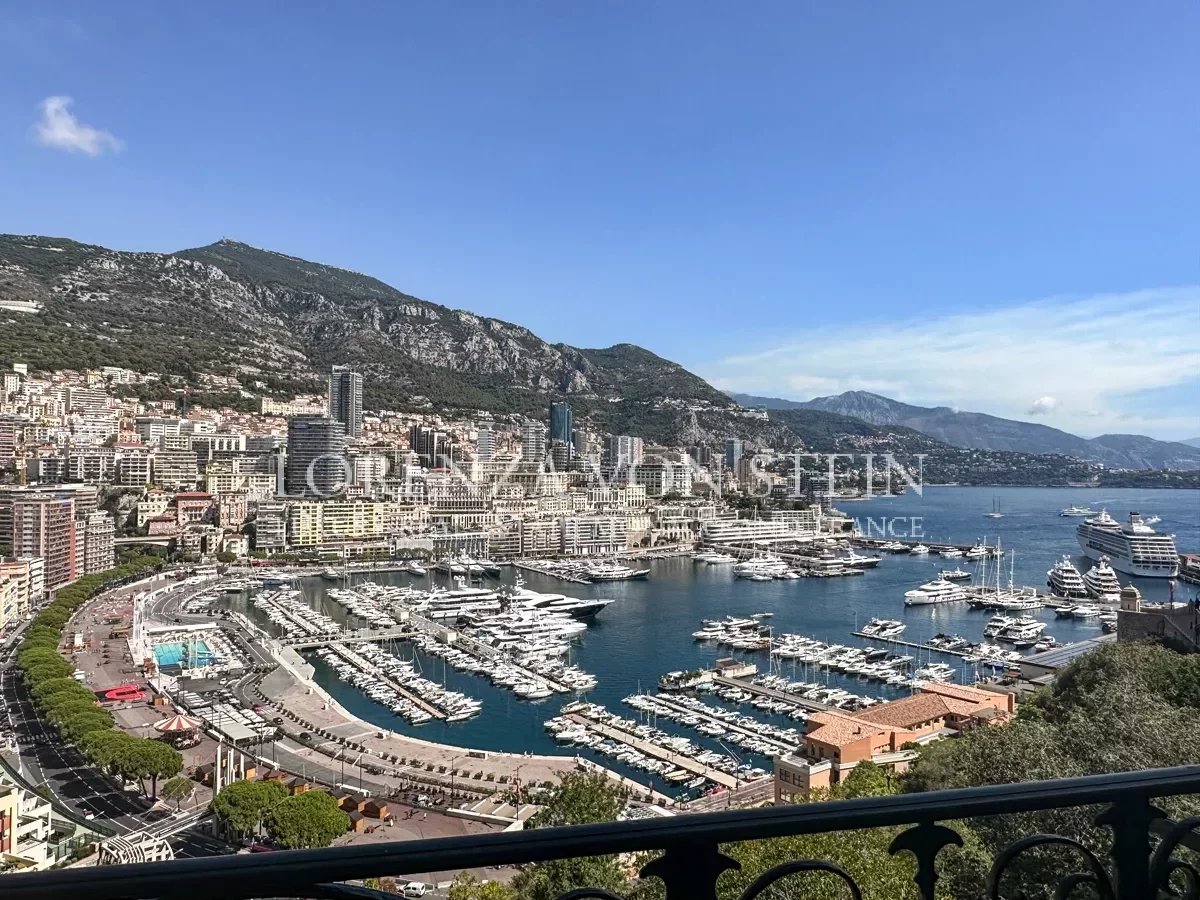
(737, 773)
(453, 762)
(517, 778)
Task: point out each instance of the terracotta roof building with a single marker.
(836, 741)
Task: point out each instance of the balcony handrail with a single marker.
(292, 872)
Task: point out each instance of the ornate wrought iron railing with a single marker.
(1148, 858)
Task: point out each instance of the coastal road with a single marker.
(45, 759)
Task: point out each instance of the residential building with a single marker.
(316, 457)
(533, 443)
(562, 424)
(315, 522)
(26, 582)
(10, 599)
(131, 468)
(44, 525)
(26, 828)
(593, 535)
(485, 443)
(270, 526)
(345, 399)
(623, 450)
(174, 468)
(99, 543)
(733, 454)
(153, 503)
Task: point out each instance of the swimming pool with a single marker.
(172, 654)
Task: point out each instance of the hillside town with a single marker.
(86, 468)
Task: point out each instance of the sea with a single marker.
(648, 630)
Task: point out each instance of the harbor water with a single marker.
(648, 630)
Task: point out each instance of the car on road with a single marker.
(416, 889)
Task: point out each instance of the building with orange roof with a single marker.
(886, 734)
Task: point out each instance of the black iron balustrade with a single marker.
(1142, 865)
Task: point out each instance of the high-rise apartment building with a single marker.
(99, 543)
(44, 525)
(485, 446)
(562, 423)
(345, 399)
(733, 454)
(533, 442)
(316, 457)
(624, 450)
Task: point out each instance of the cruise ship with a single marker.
(1133, 548)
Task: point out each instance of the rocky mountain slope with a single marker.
(229, 308)
(984, 432)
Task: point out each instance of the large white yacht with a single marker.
(1101, 582)
(1064, 579)
(936, 591)
(1133, 548)
(768, 566)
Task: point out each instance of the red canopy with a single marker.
(176, 724)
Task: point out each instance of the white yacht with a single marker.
(859, 561)
(919, 550)
(1064, 579)
(951, 553)
(613, 571)
(720, 559)
(937, 591)
(1023, 630)
(1133, 548)
(1101, 582)
(997, 624)
(883, 628)
(1077, 512)
(770, 566)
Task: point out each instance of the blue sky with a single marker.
(762, 192)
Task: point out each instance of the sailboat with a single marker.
(995, 513)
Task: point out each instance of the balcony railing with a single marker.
(1149, 857)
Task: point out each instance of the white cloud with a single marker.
(1096, 363)
(1042, 406)
(58, 128)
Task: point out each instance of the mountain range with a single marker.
(278, 321)
(985, 432)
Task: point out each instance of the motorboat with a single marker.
(919, 550)
(954, 575)
(1077, 512)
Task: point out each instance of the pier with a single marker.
(781, 746)
(648, 748)
(782, 696)
(363, 666)
(900, 642)
(538, 570)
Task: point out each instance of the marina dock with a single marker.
(651, 749)
(538, 570)
(781, 746)
(899, 642)
(782, 696)
(363, 666)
